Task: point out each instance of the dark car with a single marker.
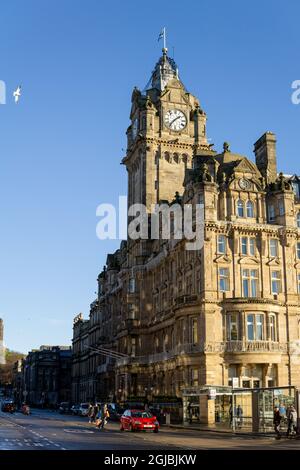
(64, 407)
(115, 412)
(75, 409)
(8, 406)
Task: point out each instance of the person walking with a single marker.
(239, 416)
(90, 412)
(277, 422)
(292, 421)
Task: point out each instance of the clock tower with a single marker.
(167, 127)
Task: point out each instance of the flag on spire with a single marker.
(162, 35)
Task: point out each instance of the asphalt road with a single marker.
(46, 430)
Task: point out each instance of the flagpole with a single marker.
(165, 38)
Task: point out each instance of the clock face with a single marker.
(244, 184)
(175, 120)
(134, 128)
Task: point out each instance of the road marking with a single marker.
(79, 431)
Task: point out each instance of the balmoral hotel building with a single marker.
(227, 314)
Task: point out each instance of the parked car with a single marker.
(115, 412)
(8, 406)
(75, 409)
(83, 409)
(138, 420)
(64, 407)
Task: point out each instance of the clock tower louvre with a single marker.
(167, 127)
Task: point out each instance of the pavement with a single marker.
(47, 430)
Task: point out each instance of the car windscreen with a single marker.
(141, 414)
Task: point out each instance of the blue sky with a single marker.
(61, 146)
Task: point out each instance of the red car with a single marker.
(138, 420)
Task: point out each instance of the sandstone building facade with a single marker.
(226, 314)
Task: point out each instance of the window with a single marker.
(194, 330)
(298, 282)
(255, 327)
(272, 327)
(250, 327)
(248, 246)
(233, 327)
(252, 246)
(271, 212)
(221, 244)
(259, 327)
(273, 247)
(131, 285)
(275, 282)
(249, 208)
(298, 250)
(244, 245)
(240, 208)
(281, 207)
(298, 220)
(133, 346)
(194, 378)
(250, 282)
(223, 279)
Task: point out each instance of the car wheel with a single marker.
(131, 428)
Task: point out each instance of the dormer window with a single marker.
(249, 207)
(240, 208)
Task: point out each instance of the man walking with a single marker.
(292, 421)
(277, 421)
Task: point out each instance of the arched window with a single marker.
(298, 220)
(249, 206)
(240, 208)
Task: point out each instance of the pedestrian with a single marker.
(100, 421)
(239, 416)
(277, 422)
(90, 412)
(292, 421)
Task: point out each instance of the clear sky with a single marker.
(61, 146)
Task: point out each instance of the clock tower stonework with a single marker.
(168, 127)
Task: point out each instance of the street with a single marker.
(47, 430)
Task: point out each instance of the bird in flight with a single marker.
(17, 93)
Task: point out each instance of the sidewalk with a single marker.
(222, 429)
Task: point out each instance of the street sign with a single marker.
(212, 393)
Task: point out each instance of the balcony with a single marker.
(202, 347)
(255, 346)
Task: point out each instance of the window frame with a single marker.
(250, 206)
(225, 278)
(240, 206)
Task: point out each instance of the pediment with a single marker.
(222, 259)
(245, 166)
(273, 262)
(248, 260)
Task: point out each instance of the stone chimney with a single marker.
(265, 156)
(2, 350)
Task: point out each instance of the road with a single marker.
(46, 430)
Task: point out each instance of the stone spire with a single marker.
(164, 71)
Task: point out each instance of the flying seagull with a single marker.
(17, 93)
